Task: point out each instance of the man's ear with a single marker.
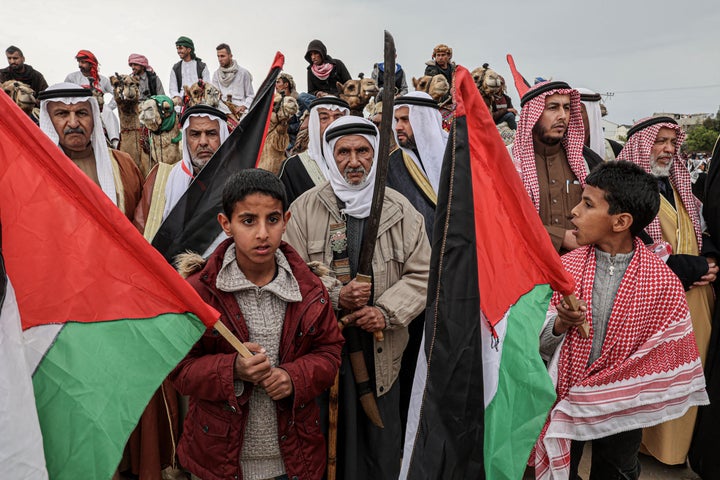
(224, 223)
(622, 222)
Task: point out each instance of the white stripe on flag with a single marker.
(416, 397)
(492, 356)
(21, 447)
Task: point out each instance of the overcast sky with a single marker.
(654, 55)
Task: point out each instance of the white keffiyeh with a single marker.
(99, 145)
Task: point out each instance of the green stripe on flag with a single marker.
(94, 383)
(517, 412)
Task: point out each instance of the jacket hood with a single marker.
(316, 46)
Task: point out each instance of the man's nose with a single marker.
(73, 120)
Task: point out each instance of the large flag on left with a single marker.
(92, 318)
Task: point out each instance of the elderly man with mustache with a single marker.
(550, 157)
(70, 116)
(326, 226)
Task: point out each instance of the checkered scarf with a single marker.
(648, 371)
(523, 151)
(637, 150)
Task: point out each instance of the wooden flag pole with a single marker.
(572, 302)
(234, 341)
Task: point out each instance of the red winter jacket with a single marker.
(310, 346)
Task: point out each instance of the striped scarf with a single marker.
(648, 370)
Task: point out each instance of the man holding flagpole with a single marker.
(326, 226)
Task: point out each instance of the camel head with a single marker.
(21, 94)
(99, 96)
(436, 86)
(488, 81)
(202, 92)
(150, 115)
(284, 107)
(357, 92)
(126, 88)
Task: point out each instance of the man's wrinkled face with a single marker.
(552, 125)
(316, 57)
(183, 52)
(282, 86)
(354, 156)
(326, 117)
(137, 70)
(15, 60)
(662, 152)
(73, 124)
(203, 140)
(224, 58)
(84, 66)
(404, 130)
(442, 59)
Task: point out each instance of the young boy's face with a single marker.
(256, 226)
(593, 224)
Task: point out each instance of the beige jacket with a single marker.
(401, 265)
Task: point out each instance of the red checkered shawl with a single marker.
(523, 150)
(648, 371)
(637, 150)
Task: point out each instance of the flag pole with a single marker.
(234, 341)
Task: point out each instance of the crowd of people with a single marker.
(322, 400)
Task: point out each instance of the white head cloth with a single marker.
(597, 136)
(181, 176)
(357, 198)
(430, 138)
(315, 143)
(99, 145)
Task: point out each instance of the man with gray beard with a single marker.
(653, 144)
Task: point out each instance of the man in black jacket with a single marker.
(323, 74)
(18, 70)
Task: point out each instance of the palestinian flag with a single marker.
(192, 224)
(521, 84)
(92, 318)
(482, 390)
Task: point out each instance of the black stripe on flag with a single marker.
(192, 224)
(449, 441)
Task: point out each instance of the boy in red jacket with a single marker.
(256, 418)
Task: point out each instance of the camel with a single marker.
(126, 90)
(202, 92)
(161, 122)
(490, 84)
(436, 86)
(357, 93)
(158, 116)
(277, 140)
(488, 81)
(23, 96)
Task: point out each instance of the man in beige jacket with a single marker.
(326, 226)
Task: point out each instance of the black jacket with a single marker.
(339, 72)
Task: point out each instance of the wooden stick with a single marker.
(234, 341)
(572, 302)
(333, 428)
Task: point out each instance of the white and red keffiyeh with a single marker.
(648, 371)
(637, 150)
(523, 150)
